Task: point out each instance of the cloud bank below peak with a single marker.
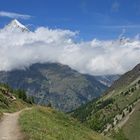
(97, 57)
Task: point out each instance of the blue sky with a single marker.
(101, 19)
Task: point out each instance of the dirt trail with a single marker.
(9, 128)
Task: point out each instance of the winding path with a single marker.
(9, 128)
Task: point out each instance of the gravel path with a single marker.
(9, 128)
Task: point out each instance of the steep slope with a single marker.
(47, 124)
(114, 108)
(64, 88)
(12, 100)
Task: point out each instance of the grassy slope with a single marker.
(42, 123)
(46, 124)
(7, 105)
(15, 106)
(132, 127)
(97, 114)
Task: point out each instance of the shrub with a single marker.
(132, 89)
(30, 100)
(49, 105)
(126, 93)
(123, 115)
(130, 109)
(105, 103)
(21, 94)
(4, 101)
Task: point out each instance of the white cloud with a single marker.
(19, 50)
(14, 15)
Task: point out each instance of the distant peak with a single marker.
(15, 25)
(16, 22)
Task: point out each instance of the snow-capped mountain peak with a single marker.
(16, 26)
(17, 23)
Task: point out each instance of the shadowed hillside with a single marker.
(64, 88)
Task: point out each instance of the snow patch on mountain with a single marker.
(15, 26)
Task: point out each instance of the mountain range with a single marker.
(64, 88)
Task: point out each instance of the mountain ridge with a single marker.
(124, 80)
(113, 109)
(54, 83)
